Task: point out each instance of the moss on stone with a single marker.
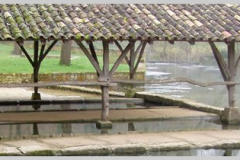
(10, 154)
(88, 152)
(40, 153)
(129, 151)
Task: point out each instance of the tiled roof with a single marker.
(215, 22)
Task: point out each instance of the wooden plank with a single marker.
(121, 50)
(46, 84)
(176, 80)
(120, 58)
(94, 55)
(221, 62)
(25, 53)
(231, 65)
(139, 58)
(89, 56)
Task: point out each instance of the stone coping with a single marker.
(121, 144)
(185, 103)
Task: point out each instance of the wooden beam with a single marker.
(47, 84)
(231, 65)
(190, 81)
(41, 52)
(121, 50)
(89, 56)
(25, 53)
(138, 49)
(48, 50)
(139, 58)
(221, 62)
(94, 55)
(120, 58)
(237, 64)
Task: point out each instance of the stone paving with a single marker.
(122, 144)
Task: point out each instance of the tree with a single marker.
(17, 50)
(66, 53)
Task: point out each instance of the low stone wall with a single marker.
(6, 78)
(185, 103)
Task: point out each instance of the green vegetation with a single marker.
(19, 64)
(183, 51)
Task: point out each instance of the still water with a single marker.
(18, 129)
(214, 95)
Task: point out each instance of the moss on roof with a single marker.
(181, 22)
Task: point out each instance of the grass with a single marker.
(80, 63)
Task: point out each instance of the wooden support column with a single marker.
(105, 89)
(132, 61)
(105, 77)
(35, 66)
(231, 114)
(231, 66)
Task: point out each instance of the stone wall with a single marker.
(7, 78)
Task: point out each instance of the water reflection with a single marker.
(35, 129)
(66, 127)
(228, 152)
(202, 73)
(11, 130)
(230, 127)
(131, 126)
(196, 152)
(104, 131)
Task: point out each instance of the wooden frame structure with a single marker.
(105, 75)
(112, 23)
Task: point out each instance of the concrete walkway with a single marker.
(123, 144)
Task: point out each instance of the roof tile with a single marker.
(120, 21)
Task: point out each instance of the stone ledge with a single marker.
(124, 144)
(185, 103)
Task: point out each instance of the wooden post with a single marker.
(132, 61)
(35, 129)
(35, 66)
(231, 114)
(105, 89)
(231, 66)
